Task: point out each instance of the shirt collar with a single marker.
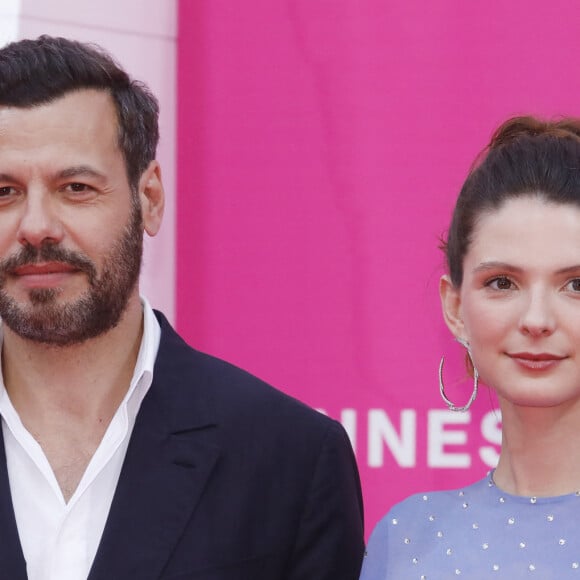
(142, 375)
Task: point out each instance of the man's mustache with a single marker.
(47, 252)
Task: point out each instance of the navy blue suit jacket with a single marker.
(225, 478)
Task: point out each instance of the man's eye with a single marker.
(77, 187)
(6, 190)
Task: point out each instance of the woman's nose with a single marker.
(538, 315)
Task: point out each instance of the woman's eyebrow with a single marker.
(496, 265)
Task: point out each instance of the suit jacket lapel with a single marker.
(171, 455)
(12, 563)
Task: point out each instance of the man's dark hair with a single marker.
(36, 72)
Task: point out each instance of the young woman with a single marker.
(512, 298)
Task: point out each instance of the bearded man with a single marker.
(126, 454)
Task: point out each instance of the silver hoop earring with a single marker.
(449, 404)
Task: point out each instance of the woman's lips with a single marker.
(536, 361)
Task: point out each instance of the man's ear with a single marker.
(152, 197)
(451, 306)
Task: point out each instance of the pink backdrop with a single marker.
(321, 146)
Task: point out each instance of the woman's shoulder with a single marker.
(433, 506)
(444, 498)
(420, 525)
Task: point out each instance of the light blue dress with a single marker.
(479, 533)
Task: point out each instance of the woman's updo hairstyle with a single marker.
(526, 156)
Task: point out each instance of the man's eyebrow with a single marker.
(79, 171)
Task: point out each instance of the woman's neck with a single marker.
(538, 447)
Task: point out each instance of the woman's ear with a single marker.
(152, 198)
(451, 306)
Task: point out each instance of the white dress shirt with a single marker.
(59, 539)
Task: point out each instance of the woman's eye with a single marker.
(500, 283)
(574, 285)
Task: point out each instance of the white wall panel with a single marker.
(9, 20)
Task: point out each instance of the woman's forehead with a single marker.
(527, 226)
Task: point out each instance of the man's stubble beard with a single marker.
(96, 311)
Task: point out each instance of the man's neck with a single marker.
(83, 374)
(67, 396)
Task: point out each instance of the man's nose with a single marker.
(39, 220)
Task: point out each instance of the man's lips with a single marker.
(43, 269)
(43, 274)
